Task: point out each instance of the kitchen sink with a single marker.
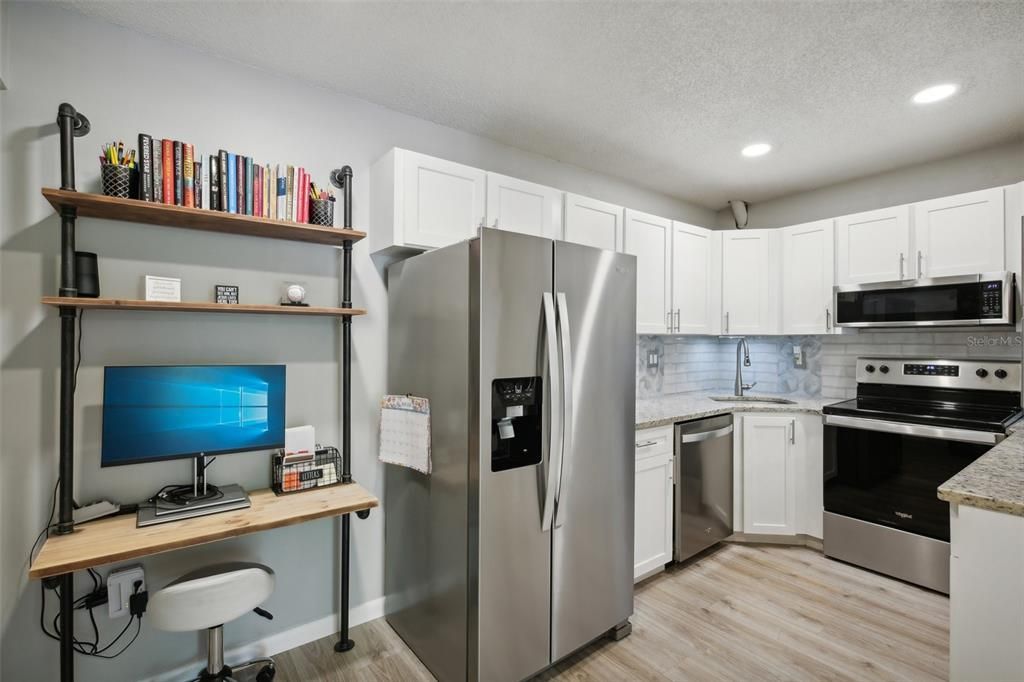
(752, 399)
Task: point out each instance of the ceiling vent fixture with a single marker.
(739, 213)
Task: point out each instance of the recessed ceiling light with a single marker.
(935, 93)
(757, 149)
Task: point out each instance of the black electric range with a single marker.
(914, 424)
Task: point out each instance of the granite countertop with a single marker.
(994, 481)
(685, 406)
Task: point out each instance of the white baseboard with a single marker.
(280, 641)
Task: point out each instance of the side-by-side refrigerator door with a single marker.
(517, 388)
(592, 568)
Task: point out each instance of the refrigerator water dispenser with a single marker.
(516, 422)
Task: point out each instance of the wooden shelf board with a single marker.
(99, 206)
(116, 538)
(198, 306)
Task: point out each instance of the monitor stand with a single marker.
(179, 502)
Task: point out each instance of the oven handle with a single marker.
(962, 435)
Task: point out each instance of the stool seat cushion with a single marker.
(210, 596)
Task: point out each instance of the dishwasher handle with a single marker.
(705, 435)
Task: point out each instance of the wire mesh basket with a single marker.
(120, 181)
(321, 212)
(318, 471)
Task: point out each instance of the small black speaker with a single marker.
(87, 275)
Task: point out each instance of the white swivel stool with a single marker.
(206, 599)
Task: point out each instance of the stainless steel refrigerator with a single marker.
(517, 549)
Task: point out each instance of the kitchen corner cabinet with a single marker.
(696, 279)
(960, 235)
(986, 594)
(649, 238)
(808, 275)
(874, 247)
(592, 223)
(750, 282)
(519, 206)
(779, 464)
(420, 202)
(652, 539)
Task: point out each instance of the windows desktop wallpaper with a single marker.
(152, 413)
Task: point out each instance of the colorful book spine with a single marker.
(197, 179)
(215, 183)
(269, 190)
(232, 192)
(168, 165)
(188, 180)
(248, 185)
(257, 192)
(282, 193)
(304, 197)
(240, 183)
(158, 171)
(222, 166)
(179, 177)
(146, 169)
(289, 213)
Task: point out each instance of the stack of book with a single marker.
(171, 173)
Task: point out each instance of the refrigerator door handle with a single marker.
(567, 401)
(554, 411)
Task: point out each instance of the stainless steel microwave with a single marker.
(965, 300)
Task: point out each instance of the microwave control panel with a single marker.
(992, 299)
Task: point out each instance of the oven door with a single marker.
(944, 301)
(888, 473)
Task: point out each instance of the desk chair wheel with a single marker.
(266, 674)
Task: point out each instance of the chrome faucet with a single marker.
(739, 386)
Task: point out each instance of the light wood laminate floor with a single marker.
(743, 612)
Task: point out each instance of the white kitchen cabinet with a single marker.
(960, 235)
(808, 275)
(593, 223)
(769, 475)
(519, 206)
(420, 202)
(986, 595)
(808, 449)
(874, 247)
(696, 279)
(649, 238)
(652, 540)
(750, 282)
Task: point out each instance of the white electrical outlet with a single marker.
(120, 587)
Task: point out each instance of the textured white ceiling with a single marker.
(663, 94)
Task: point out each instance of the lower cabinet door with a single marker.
(652, 544)
(769, 476)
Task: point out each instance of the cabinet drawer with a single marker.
(657, 441)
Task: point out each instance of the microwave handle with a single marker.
(902, 258)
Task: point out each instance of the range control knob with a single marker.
(1000, 373)
(870, 369)
(884, 369)
(982, 373)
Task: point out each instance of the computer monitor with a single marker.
(169, 412)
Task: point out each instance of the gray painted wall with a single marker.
(998, 165)
(126, 83)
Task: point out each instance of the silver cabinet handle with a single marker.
(668, 321)
(554, 399)
(828, 320)
(902, 258)
(677, 320)
(567, 410)
(726, 322)
(647, 444)
(920, 264)
(792, 431)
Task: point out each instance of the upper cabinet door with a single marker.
(649, 238)
(520, 206)
(749, 292)
(442, 202)
(874, 247)
(593, 223)
(694, 250)
(960, 235)
(808, 258)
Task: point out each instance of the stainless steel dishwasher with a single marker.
(703, 484)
